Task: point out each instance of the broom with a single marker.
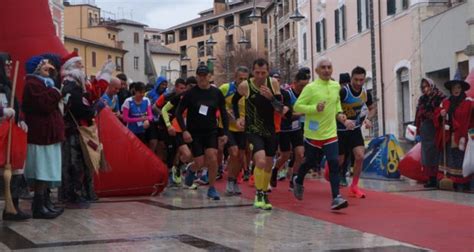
(445, 183)
(7, 173)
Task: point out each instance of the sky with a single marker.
(160, 14)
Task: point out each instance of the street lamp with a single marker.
(297, 15)
(241, 41)
(179, 70)
(253, 17)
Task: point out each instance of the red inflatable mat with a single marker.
(135, 170)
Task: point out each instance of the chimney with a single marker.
(219, 6)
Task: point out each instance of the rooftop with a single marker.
(156, 48)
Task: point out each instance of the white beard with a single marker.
(75, 75)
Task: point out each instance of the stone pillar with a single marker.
(469, 51)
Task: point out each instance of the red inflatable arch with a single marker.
(26, 29)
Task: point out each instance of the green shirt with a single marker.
(319, 125)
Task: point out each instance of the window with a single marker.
(198, 31)
(264, 19)
(182, 51)
(271, 45)
(287, 31)
(156, 37)
(230, 42)
(244, 18)
(113, 37)
(404, 96)
(90, 19)
(404, 4)
(184, 71)
(94, 59)
(135, 63)
(321, 35)
(305, 48)
(118, 63)
(281, 34)
(265, 37)
(340, 24)
(136, 37)
(294, 30)
(248, 36)
(391, 7)
(163, 71)
(201, 49)
(362, 15)
(169, 38)
(108, 34)
(228, 21)
(210, 26)
(183, 34)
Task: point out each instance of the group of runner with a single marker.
(303, 121)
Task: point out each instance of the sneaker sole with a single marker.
(340, 206)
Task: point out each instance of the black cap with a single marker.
(202, 69)
(344, 78)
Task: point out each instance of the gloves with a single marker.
(8, 112)
(23, 126)
(106, 71)
(417, 139)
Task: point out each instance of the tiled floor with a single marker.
(185, 220)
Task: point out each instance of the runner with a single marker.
(200, 129)
(263, 98)
(291, 135)
(137, 112)
(320, 102)
(359, 109)
(237, 142)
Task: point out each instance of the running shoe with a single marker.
(339, 203)
(213, 194)
(237, 190)
(176, 175)
(258, 203)
(343, 181)
(266, 203)
(298, 189)
(251, 181)
(229, 189)
(355, 192)
(190, 176)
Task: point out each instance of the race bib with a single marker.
(140, 124)
(203, 110)
(313, 125)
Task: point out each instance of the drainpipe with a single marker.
(382, 85)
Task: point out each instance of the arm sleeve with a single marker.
(302, 104)
(235, 104)
(126, 113)
(183, 105)
(161, 101)
(45, 99)
(165, 115)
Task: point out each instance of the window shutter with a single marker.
(324, 33)
(318, 37)
(343, 20)
(359, 16)
(336, 25)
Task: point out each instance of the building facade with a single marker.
(94, 38)
(190, 38)
(132, 36)
(443, 58)
(282, 39)
(154, 35)
(341, 31)
(166, 61)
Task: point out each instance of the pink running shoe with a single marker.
(356, 192)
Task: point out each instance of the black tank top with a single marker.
(259, 112)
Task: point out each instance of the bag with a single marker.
(91, 147)
(468, 163)
(410, 132)
(19, 145)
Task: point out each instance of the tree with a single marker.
(239, 56)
